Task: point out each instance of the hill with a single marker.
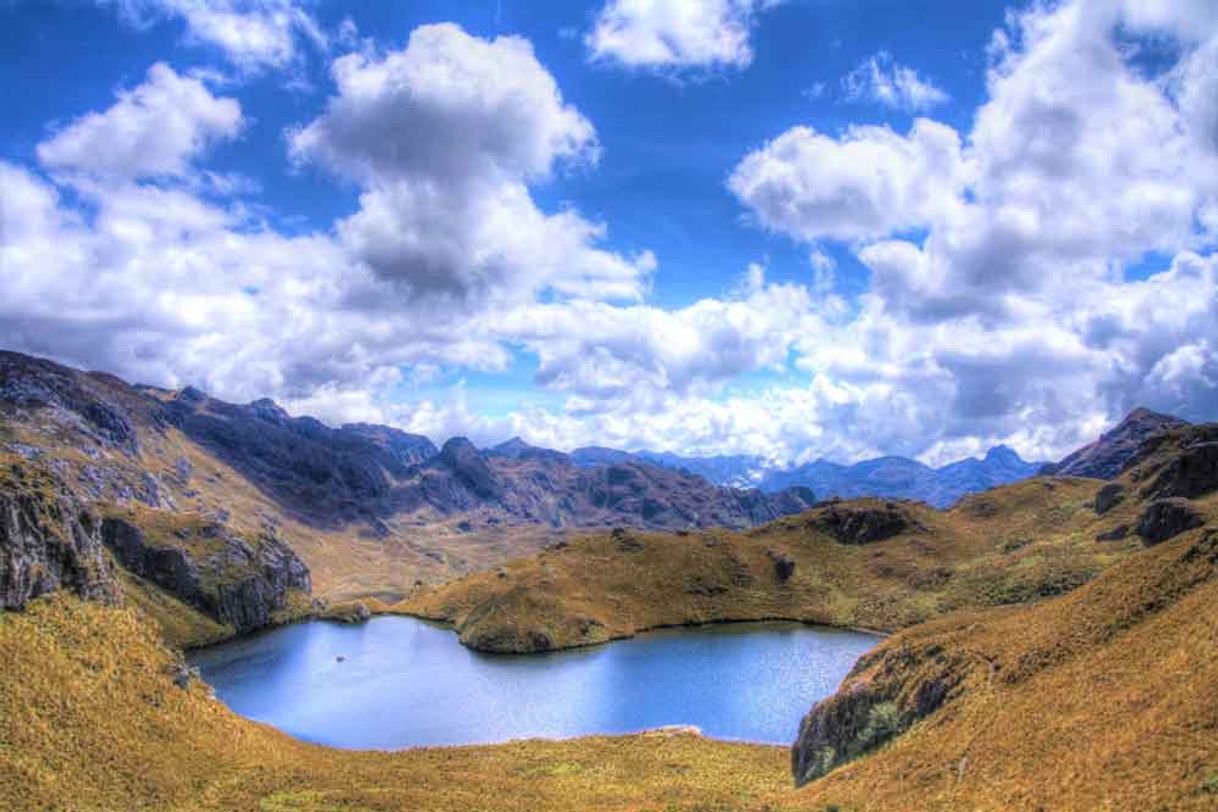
(870, 563)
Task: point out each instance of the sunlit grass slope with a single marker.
(90, 719)
(1104, 699)
(1013, 544)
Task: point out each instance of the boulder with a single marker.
(1109, 497)
(1163, 519)
(1118, 533)
(784, 565)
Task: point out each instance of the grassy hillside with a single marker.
(1013, 544)
(1102, 699)
(90, 719)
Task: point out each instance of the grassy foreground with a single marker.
(90, 719)
(1102, 699)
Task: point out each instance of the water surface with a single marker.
(404, 682)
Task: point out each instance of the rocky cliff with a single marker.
(48, 540)
(236, 581)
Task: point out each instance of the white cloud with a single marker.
(253, 34)
(1012, 297)
(155, 129)
(868, 183)
(880, 79)
(675, 34)
(445, 137)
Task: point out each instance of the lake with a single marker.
(404, 682)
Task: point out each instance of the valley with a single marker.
(1088, 596)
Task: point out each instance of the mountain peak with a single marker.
(1003, 453)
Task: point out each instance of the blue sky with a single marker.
(797, 228)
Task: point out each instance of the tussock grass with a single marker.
(1014, 544)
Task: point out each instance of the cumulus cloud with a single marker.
(1031, 278)
(444, 137)
(675, 34)
(867, 183)
(881, 80)
(253, 34)
(1007, 293)
(155, 129)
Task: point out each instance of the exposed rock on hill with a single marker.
(863, 521)
(238, 582)
(1166, 518)
(1106, 457)
(48, 541)
(888, 691)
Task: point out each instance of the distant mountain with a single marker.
(894, 477)
(368, 474)
(903, 478)
(739, 471)
(1106, 457)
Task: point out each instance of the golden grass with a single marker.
(1101, 700)
(1014, 544)
(90, 720)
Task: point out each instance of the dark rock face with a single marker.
(863, 522)
(1192, 473)
(465, 463)
(221, 574)
(1107, 456)
(1118, 533)
(1109, 497)
(48, 542)
(882, 697)
(784, 565)
(1163, 519)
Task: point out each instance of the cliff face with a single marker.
(48, 541)
(235, 581)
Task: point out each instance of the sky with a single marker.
(790, 228)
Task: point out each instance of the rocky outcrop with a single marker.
(206, 565)
(863, 521)
(1191, 473)
(469, 467)
(1109, 497)
(48, 541)
(1163, 519)
(1107, 457)
(885, 693)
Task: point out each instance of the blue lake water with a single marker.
(404, 683)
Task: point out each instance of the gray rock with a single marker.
(1109, 497)
(242, 585)
(48, 542)
(1163, 519)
